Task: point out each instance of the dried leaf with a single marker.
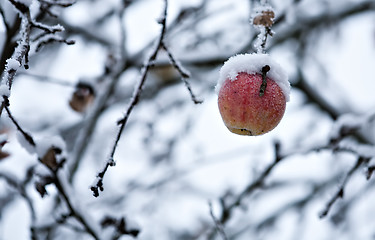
(82, 97)
(49, 159)
(265, 18)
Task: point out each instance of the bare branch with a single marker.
(52, 39)
(74, 211)
(184, 74)
(219, 227)
(257, 184)
(26, 135)
(137, 92)
(370, 171)
(340, 192)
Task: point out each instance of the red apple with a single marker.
(244, 110)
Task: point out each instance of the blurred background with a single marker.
(180, 174)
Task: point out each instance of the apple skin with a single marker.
(243, 111)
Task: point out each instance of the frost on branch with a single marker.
(12, 64)
(263, 19)
(349, 123)
(4, 92)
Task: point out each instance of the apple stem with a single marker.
(262, 90)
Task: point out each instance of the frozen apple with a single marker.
(252, 93)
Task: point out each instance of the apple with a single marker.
(245, 107)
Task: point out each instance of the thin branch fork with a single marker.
(183, 73)
(258, 183)
(56, 181)
(21, 54)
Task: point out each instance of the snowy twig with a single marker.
(183, 73)
(121, 227)
(258, 183)
(263, 19)
(56, 180)
(21, 52)
(298, 205)
(219, 227)
(26, 135)
(20, 186)
(340, 192)
(74, 211)
(98, 185)
(52, 39)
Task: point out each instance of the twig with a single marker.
(21, 51)
(219, 227)
(340, 192)
(48, 79)
(183, 73)
(265, 37)
(52, 39)
(98, 185)
(370, 171)
(26, 135)
(57, 181)
(258, 183)
(112, 72)
(73, 210)
(21, 188)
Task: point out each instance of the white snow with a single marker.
(3, 138)
(251, 64)
(44, 144)
(4, 90)
(24, 143)
(351, 121)
(12, 64)
(259, 11)
(364, 150)
(260, 39)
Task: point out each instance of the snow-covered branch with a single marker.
(98, 184)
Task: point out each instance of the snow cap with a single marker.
(252, 64)
(12, 64)
(44, 144)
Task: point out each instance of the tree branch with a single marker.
(98, 185)
(219, 227)
(340, 192)
(183, 73)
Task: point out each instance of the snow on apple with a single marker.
(244, 110)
